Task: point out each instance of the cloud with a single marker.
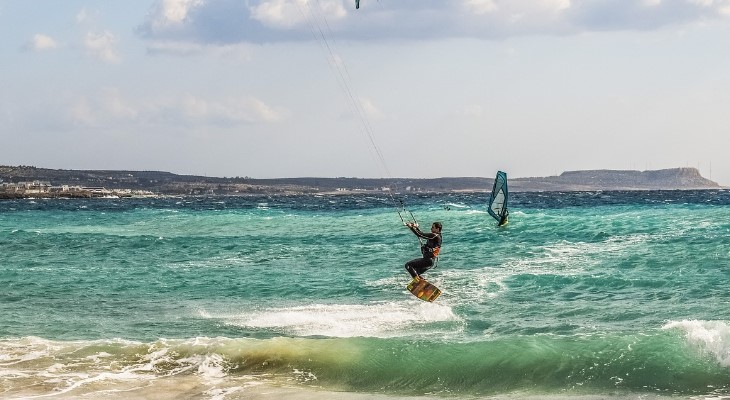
(480, 6)
(279, 13)
(173, 12)
(170, 47)
(283, 14)
(82, 16)
(40, 42)
(474, 111)
(96, 111)
(210, 22)
(222, 112)
(370, 110)
(111, 108)
(262, 21)
(603, 15)
(240, 52)
(101, 46)
(234, 21)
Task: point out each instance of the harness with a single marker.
(431, 250)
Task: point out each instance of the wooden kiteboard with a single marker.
(423, 289)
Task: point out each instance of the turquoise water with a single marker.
(582, 294)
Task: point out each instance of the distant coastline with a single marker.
(29, 181)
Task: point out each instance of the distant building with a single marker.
(98, 191)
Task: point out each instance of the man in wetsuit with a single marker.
(430, 249)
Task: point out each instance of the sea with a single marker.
(583, 295)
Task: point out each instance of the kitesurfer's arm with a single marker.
(417, 232)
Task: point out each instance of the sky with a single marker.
(397, 88)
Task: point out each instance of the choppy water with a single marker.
(620, 294)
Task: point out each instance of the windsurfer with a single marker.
(498, 200)
(504, 219)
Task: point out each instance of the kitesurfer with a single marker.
(430, 249)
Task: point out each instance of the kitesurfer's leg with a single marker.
(410, 267)
(425, 265)
(418, 266)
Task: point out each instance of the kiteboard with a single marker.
(423, 289)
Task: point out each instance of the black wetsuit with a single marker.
(417, 266)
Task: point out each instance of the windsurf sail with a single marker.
(498, 200)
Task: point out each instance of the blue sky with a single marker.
(398, 88)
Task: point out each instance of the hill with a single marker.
(664, 179)
(172, 184)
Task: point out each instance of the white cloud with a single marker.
(722, 6)
(41, 42)
(118, 107)
(560, 5)
(265, 21)
(263, 111)
(101, 45)
(176, 11)
(89, 17)
(291, 13)
(178, 48)
(112, 108)
(474, 110)
(279, 13)
(234, 52)
(175, 17)
(226, 111)
(81, 113)
(371, 111)
(332, 9)
(82, 16)
(480, 6)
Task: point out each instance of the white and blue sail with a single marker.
(498, 200)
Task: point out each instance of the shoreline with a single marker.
(151, 195)
(38, 181)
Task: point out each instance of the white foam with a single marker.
(221, 394)
(475, 285)
(70, 369)
(382, 319)
(572, 258)
(27, 349)
(212, 367)
(476, 212)
(304, 376)
(710, 336)
(563, 258)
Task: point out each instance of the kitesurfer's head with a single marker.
(436, 227)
